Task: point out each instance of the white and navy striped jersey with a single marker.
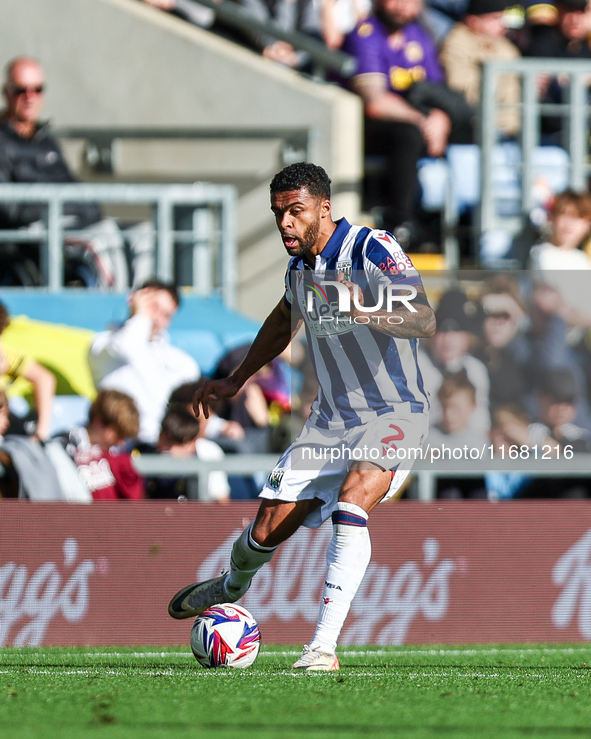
(363, 373)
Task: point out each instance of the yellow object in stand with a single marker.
(62, 349)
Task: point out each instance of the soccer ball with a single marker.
(225, 636)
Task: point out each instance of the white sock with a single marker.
(347, 558)
(247, 559)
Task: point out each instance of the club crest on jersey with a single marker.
(345, 268)
(275, 477)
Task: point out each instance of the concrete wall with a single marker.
(123, 63)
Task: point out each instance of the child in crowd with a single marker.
(457, 396)
(181, 437)
(97, 450)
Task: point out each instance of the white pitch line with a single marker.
(344, 653)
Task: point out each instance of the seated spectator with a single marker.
(181, 437)
(557, 395)
(13, 365)
(216, 435)
(28, 153)
(138, 359)
(409, 110)
(479, 38)
(248, 408)
(103, 465)
(506, 350)
(288, 15)
(457, 397)
(448, 353)
(560, 264)
(567, 37)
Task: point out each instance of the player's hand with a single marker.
(214, 390)
(352, 288)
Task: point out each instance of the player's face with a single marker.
(297, 214)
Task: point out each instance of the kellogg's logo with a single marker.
(573, 573)
(384, 608)
(31, 600)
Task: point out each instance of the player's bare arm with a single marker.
(400, 323)
(273, 337)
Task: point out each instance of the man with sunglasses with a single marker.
(28, 153)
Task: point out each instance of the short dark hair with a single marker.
(180, 426)
(302, 174)
(182, 395)
(157, 284)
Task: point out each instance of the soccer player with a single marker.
(370, 407)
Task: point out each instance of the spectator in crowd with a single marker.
(409, 110)
(557, 401)
(248, 408)
(567, 38)
(561, 270)
(28, 153)
(448, 353)
(479, 38)
(13, 364)
(287, 15)
(97, 448)
(139, 360)
(570, 225)
(506, 350)
(457, 397)
(181, 436)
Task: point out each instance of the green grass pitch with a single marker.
(414, 692)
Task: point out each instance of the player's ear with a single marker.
(325, 207)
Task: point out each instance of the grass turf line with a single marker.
(414, 692)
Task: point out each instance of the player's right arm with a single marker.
(274, 336)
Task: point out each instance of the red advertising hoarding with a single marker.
(441, 573)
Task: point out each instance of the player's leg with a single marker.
(347, 559)
(276, 521)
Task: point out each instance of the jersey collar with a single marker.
(334, 244)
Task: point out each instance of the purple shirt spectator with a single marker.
(414, 60)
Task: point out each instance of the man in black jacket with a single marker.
(28, 153)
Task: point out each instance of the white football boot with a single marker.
(315, 660)
(192, 600)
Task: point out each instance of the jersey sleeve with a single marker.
(386, 261)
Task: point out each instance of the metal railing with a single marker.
(214, 235)
(426, 480)
(573, 110)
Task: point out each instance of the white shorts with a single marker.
(318, 461)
